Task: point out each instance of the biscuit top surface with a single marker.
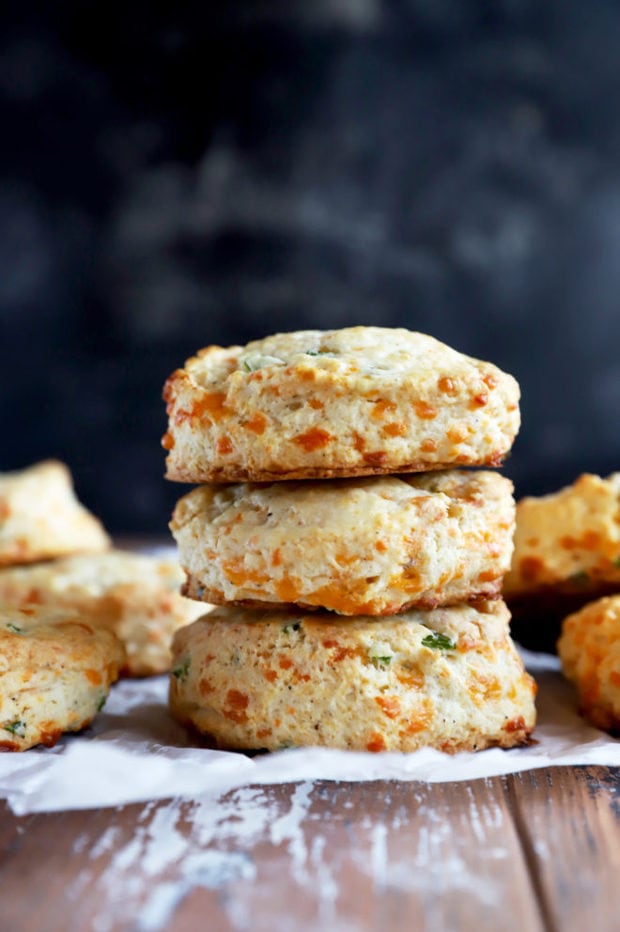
(366, 352)
(46, 636)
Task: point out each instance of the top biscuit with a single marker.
(40, 517)
(327, 404)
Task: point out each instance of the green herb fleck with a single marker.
(579, 579)
(292, 627)
(617, 562)
(101, 703)
(381, 662)
(14, 628)
(182, 672)
(16, 728)
(439, 641)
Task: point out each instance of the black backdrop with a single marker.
(225, 170)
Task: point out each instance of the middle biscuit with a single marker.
(358, 547)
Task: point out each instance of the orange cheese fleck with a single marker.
(93, 676)
(224, 445)
(425, 411)
(167, 441)
(395, 429)
(447, 385)
(380, 407)
(314, 439)
(375, 743)
(257, 423)
(236, 704)
(389, 705)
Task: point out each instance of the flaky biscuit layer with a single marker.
(360, 546)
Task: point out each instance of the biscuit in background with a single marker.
(56, 670)
(134, 595)
(357, 547)
(589, 650)
(567, 553)
(451, 679)
(41, 518)
(337, 403)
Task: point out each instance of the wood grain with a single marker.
(329, 856)
(569, 822)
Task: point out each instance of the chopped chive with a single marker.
(101, 703)
(381, 662)
(182, 672)
(16, 728)
(14, 628)
(438, 641)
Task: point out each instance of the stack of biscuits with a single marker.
(74, 613)
(357, 561)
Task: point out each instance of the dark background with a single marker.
(224, 170)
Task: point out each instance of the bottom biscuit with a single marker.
(451, 679)
(55, 674)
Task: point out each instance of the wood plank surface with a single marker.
(569, 821)
(532, 851)
(354, 856)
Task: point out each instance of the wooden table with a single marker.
(536, 850)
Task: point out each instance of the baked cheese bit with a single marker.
(41, 518)
(136, 596)
(589, 650)
(338, 403)
(55, 674)
(449, 679)
(372, 546)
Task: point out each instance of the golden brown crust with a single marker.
(195, 590)
(40, 517)
(449, 679)
(352, 402)
(589, 649)
(55, 673)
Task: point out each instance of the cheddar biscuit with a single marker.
(450, 679)
(136, 596)
(589, 649)
(566, 553)
(55, 674)
(40, 517)
(358, 546)
(339, 403)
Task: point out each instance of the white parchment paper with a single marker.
(136, 752)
